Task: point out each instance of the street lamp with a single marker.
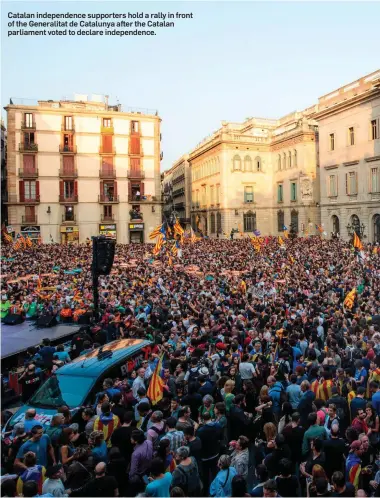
(356, 228)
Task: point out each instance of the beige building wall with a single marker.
(349, 131)
(87, 119)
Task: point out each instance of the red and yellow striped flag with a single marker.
(357, 242)
(280, 241)
(156, 385)
(350, 298)
(28, 242)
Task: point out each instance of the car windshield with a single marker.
(58, 391)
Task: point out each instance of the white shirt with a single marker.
(137, 383)
(246, 370)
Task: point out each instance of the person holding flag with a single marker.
(156, 385)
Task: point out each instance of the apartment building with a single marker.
(177, 190)
(349, 155)
(261, 174)
(80, 168)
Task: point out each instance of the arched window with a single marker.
(279, 162)
(295, 158)
(376, 228)
(257, 164)
(236, 163)
(247, 164)
(219, 222)
(249, 221)
(280, 221)
(284, 161)
(212, 223)
(294, 221)
(335, 225)
(290, 160)
(355, 222)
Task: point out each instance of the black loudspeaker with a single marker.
(103, 254)
(46, 321)
(12, 320)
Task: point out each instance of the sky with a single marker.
(233, 60)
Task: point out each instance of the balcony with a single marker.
(28, 173)
(68, 173)
(107, 150)
(68, 200)
(69, 219)
(67, 129)
(108, 199)
(106, 217)
(107, 174)
(28, 126)
(142, 198)
(28, 200)
(136, 173)
(107, 130)
(28, 147)
(30, 219)
(68, 149)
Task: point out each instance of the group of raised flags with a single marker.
(162, 233)
(21, 242)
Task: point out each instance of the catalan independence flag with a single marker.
(178, 230)
(353, 469)
(28, 242)
(156, 385)
(314, 386)
(155, 233)
(350, 299)
(324, 390)
(357, 242)
(280, 241)
(107, 424)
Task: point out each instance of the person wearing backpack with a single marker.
(221, 485)
(331, 420)
(157, 430)
(186, 474)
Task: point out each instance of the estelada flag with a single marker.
(156, 385)
(357, 242)
(350, 298)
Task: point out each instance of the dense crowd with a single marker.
(271, 385)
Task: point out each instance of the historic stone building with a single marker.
(81, 168)
(258, 175)
(349, 155)
(177, 190)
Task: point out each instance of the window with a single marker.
(290, 160)
(351, 187)
(374, 129)
(29, 138)
(236, 163)
(135, 126)
(279, 162)
(69, 213)
(28, 120)
(212, 200)
(332, 141)
(218, 194)
(218, 222)
(68, 190)
(332, 186)
(106, 122)
(284, 161)
(335, 224)
(280, 221)
(29, 164)
(68, 143)
(293, 191)
(107, 212)
(247, 164)
(30, 190)
(295, 158)
(249, 221)
(258, 164)
(248, 194)
(203, 198)
(294, 221)
(68, 123)
(375, 180)
(351, 136)
(280, 193)
(212, 223)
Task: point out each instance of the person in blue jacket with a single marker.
(221, 485)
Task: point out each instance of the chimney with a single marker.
(106, 101)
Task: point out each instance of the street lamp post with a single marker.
(356, 228)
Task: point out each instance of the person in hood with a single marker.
(106, 422)
(354, 463)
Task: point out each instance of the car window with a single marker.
(58, 391)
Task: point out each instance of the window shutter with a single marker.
(347, 185)
(130, 190)
(101, 188)
(61, 188)
(356, 183)
(115, 189)
(142, 189)
(75, 188)
(37, 189)
(21, 186)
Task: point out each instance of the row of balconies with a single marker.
(102, 199)
(73, 173)
(31, 126)
(33, 219)
(72, 149)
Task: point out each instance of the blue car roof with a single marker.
(90, 365)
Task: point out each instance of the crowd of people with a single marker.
(271, 386)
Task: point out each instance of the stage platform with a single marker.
(18, 338)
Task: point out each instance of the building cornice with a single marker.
(371, 159)
(331, 166)
(351, 163)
